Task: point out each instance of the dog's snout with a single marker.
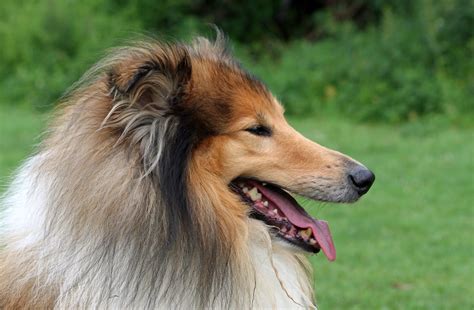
(361, 178)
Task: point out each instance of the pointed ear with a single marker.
(156, 79)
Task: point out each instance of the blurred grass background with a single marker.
(390, 83)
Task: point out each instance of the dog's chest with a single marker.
(282, 278)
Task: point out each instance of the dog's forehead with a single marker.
(224, 97)
(233, 85)
(260, 104)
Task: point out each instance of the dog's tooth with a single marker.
(265, 203)
(284, 229)
(312, 241)
(306, 233)
(245, 189)
(264, 184)
(254, 194)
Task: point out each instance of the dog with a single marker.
(164, 182)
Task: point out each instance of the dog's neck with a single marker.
(273, 273)
(268, 273)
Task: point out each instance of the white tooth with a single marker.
(265, 203)
(284, 229)
(245, 189)
(264, 184)
(312, 241)
(274, 211)
(253, 193)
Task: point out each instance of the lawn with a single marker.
(407, 245)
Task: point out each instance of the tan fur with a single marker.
(99, 233)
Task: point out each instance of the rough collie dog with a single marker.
(164, 183)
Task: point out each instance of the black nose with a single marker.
(362, 179)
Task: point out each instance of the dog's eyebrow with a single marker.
(262, 119)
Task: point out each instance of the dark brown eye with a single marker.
(260, 130)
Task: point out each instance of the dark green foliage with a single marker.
(47, 45)
(362, 76)
(368, 59)
(400, 69)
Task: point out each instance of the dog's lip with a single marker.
(293, 213)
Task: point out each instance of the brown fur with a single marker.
(109, 224)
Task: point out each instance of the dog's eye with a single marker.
(260, 130)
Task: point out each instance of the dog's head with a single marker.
(223, 127)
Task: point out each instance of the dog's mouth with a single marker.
(278, 209)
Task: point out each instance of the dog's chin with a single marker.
(285, 218)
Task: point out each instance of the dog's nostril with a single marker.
(362, 179)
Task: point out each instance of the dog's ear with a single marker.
(156, 79)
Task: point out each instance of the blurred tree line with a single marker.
(368, 59)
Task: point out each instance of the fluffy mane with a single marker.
(119, 208)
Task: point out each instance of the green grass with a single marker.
(20, 130)
(407, 245)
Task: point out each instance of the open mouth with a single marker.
(278, 209)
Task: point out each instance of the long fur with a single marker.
(116, 210)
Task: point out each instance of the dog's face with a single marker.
(261, 157)
(232, 128)
(257, 142)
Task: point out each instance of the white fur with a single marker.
(280, 280)
(24, 205)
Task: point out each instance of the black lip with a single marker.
(274, 227)
(300, 244)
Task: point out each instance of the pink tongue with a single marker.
(298, 216)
